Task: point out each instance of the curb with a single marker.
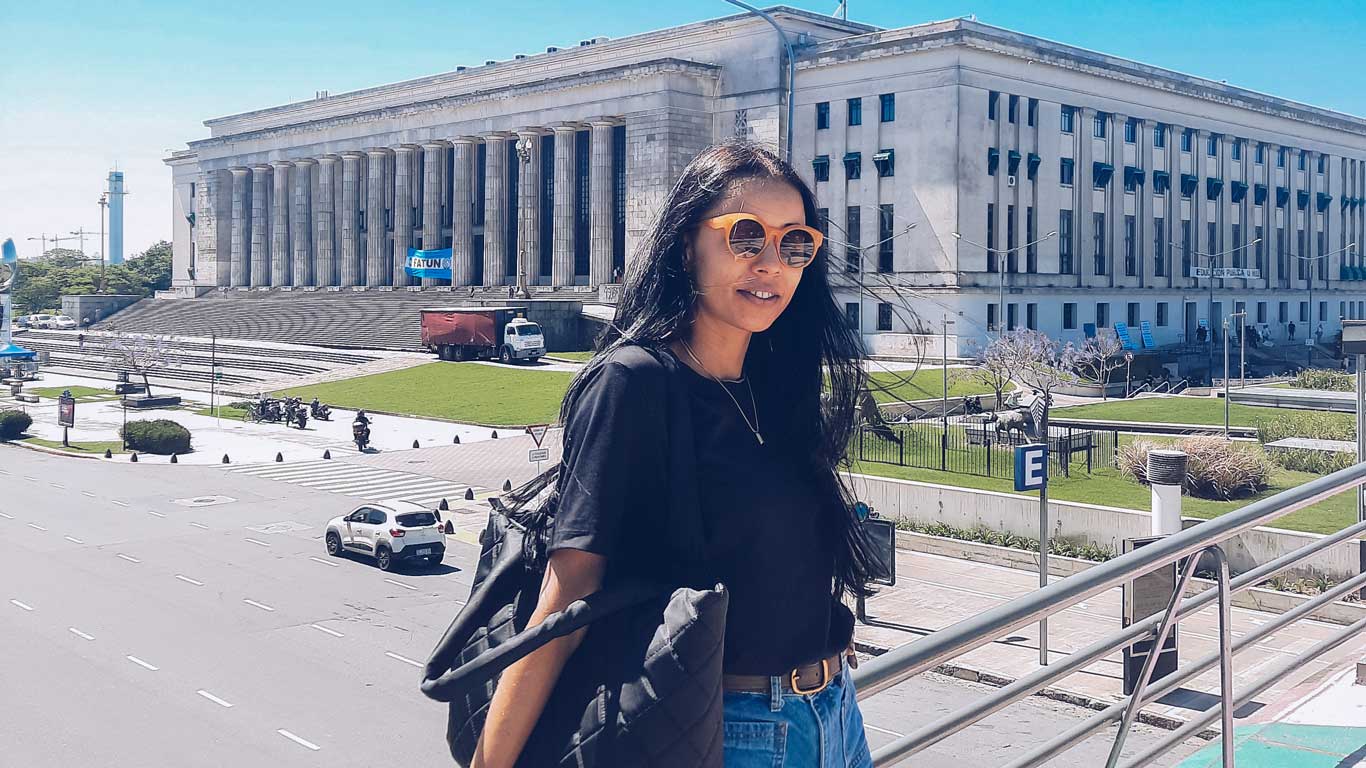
(49, 451)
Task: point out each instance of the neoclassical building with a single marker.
(965, 173)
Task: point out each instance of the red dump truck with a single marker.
(474, 333)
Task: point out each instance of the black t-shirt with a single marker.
(766, 537)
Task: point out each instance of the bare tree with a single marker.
(1098, 357)
(1040, 364)
(141, 354)
(994, 369)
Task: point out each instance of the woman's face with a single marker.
(732, 290)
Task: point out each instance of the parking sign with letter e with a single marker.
(1031, 466)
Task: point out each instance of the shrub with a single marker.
(1322, 378)
(1317, 424)
(1217, 469)
(1318, 462)
(984, 535)
(13, 424)
(161, 436)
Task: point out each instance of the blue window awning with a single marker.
(1282, 196)
(1213, 187)
(1101, 173)
(1162, 181)
(1013, 162)
(1258, 194)
(1189, 182)
(1032, 165)
(1133, 175)
(993, 160)
(885, 160)
(1237, 190)
(1323, 200)
(1302, 198)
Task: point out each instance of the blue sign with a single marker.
(1031, 467)
(433, 263)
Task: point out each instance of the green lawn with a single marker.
(1180, 410)
(80, 393)
(581, 357)
(924, 384)
(469, 392)
(223, 411)
(96, 447)
(1108, 487)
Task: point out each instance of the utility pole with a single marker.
(1238, 315)
(104, 206)
(1003, 260)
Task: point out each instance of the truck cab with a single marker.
(522, 340)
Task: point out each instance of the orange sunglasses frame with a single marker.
(727, 221)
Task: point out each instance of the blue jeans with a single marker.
(787, 730)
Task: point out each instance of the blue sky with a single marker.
(87, 86)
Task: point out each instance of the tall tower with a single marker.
(116, 217)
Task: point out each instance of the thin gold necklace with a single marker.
(752, 427)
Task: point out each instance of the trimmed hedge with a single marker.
(161, 436)
(1323, 378)
(13, 424)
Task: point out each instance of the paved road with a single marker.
(142, 628)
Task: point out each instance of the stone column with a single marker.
(239, 264)
(495, 168)
(260, 225)
(212, 229)
(350, 223)
(1144, 208)
(377, 268)
(1311, 228)
(462, 212)
(600, 203)
(562, 266)
(403, 211)
(324, 246)
(279, 224)
(301, 224)
(1172, 209)
(1083, 183)
(1114, 196)
(433, 158)
(529, 205)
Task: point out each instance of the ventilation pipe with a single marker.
(1166, 472)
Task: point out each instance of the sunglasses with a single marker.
(747, 237)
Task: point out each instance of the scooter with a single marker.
(301, 417)
(360, 432)
(320, 411)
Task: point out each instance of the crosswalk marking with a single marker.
(359, 480)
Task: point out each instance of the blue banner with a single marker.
(434, 263)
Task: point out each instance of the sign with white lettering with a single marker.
(434, 263)
(1242, 273)
(537, 432)
(1031, 467)
(538, 454)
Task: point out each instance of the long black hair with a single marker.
(806, 368)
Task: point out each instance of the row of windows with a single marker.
(884, 315)
(1239, 252)
(884, 160)
(853, 250)
(1101, 173)
(854, 111)
(1101, 121)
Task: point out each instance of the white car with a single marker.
(62, 323)
(392, 532)
(40, 321)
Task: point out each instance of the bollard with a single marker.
(134, 457)
(507, 485)
(456, 441)
(108, 454)
(279, 457)
(469, 494)
(414, 443)
(225, 458)
(327, 454)
(174, 460)
(495, 434)
(444, 506)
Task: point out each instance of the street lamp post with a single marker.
(1001, 267)
(1128, 374)
(104, 206)
(1309, 332)
(1239, 315)
(1209, 262)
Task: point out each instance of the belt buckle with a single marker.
(825, 680)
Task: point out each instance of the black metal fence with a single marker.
(977, 448)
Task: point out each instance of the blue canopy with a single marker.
(14, 351)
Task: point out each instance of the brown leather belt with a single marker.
(805, 680)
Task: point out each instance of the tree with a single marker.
(995, 369)
(1098, 356)
(1038, 363)
(66, 272)
(142, 354)
(152, 267)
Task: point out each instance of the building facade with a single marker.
(970, 179)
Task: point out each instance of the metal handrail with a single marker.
(926, 653)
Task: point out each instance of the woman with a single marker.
(732, 285)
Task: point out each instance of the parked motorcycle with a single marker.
(301, 417)
(320, 411)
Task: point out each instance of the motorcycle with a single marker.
(320, 411)
(972, 405)
(360, 432)
(301, 417)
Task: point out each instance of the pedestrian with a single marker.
(733, 311)
(1318, 334)
(1292, 331)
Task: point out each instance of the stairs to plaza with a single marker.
(371, 319)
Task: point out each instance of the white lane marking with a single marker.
(34, 479)
(141, 663)
(91, 494)
(297, 740)
(214, 699)
(73, 540)
(7, 517)
(189, 580)
(200, 525)
(401, 584)
(57, 485)
(262, 606)
(120, 503)
(324, 562)
(25, 606)
(404, 659)
(883, 730)
(154, 512)
(331, 632)
(129, 558)
(35, 526)
(258, 541)
(79, 633)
